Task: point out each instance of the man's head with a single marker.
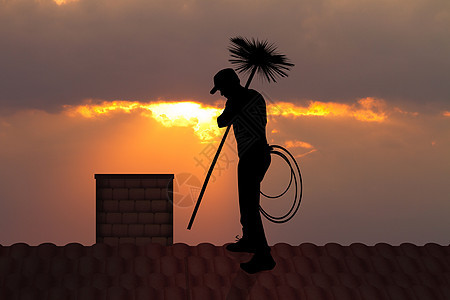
(226, 81)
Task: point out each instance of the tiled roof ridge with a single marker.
(305, 249)
(354, 244)
(207, 271)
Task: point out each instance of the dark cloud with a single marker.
(53, 55)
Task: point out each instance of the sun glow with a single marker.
(188, 114)
(202, 118)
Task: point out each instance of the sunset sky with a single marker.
(122, 86)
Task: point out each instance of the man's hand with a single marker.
(227, 115)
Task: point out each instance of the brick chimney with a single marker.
(134, 208)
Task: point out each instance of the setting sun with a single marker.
(200, 118)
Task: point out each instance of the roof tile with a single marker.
(157, 281)
(316, 293)
(397, 293)
(115, 266)
(304, 265)
(72, 281)
(408, 265)
(343, 293)
(445, 291)
(176, 293)
(310, 250)
(435, 250)
(349, 280)
(335, 250)
(101, 251)
(382, 265)
(7, 265)
(330, 265)
(322, 280)
(375, 280)
(154, 251)
(129, 281)
(429, 280)
(267, 280)
(88, 293)
(180, 250)
(47, 250)
(170, 265)
(146, 293)
(433, 265)
(19, 250)
(424, 292)
(117, 293)
(295, 280)
(369, 292)
(100, 281)
(386, 250)
(223, 265)
(197, 265)
(207, 250)
(60, 266)
(356, 265)
(360, 250)
(57, 293)
(261, 292)
(283, 250)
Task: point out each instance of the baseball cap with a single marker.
(224, 77)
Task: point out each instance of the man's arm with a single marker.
(227, 116)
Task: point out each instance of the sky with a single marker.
(115, 86)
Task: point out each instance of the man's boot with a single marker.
(261, 261)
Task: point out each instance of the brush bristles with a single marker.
(248, 54)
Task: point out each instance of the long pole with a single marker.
(211, 168)
(205, 183)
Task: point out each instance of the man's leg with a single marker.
(262, 260)
(246, 243)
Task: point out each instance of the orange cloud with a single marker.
(446, 113)
(202, 118)
(403, 112)
(366, 109)
(61, 2)
(295, 144)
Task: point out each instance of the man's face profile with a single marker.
(225, 91)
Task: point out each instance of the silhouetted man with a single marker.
(246, 110)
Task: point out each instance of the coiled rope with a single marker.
(296, 178)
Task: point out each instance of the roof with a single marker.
(205, 271)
